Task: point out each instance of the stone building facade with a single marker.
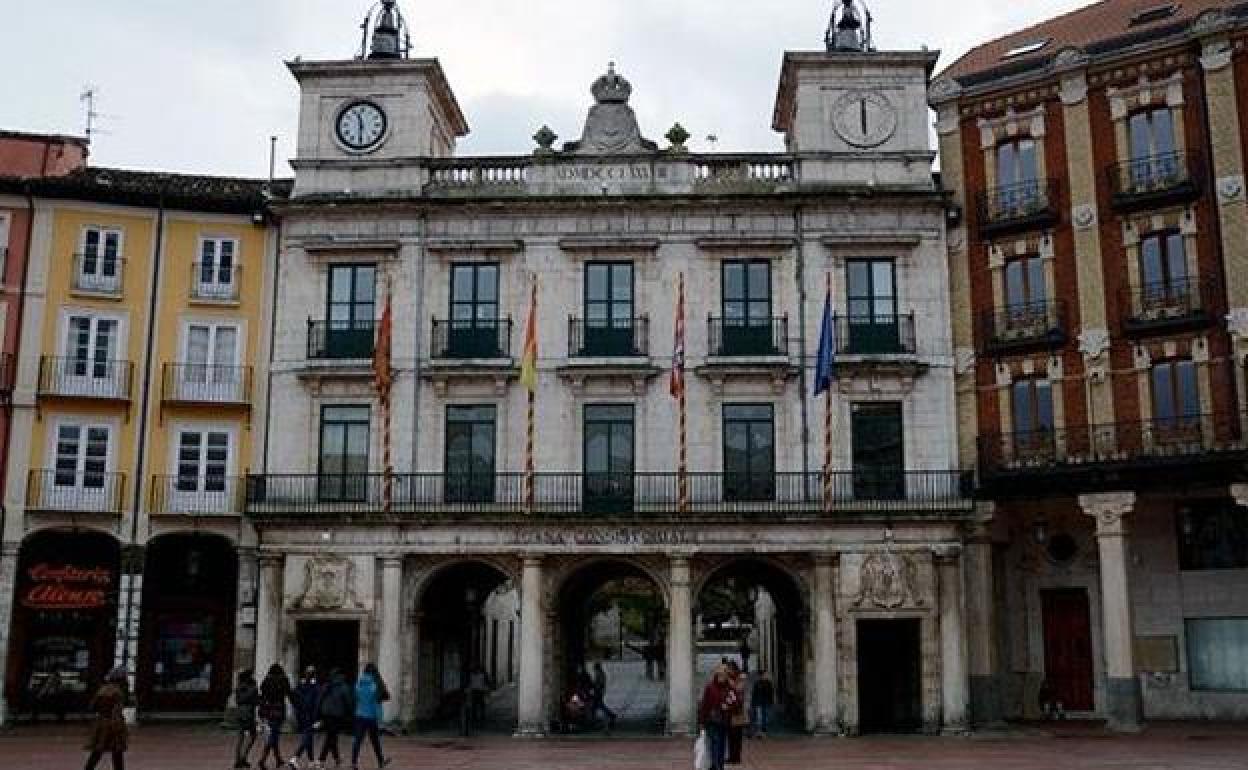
(1098, 302)
(357, 564)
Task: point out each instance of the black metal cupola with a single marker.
(850, 27)
(385, 33)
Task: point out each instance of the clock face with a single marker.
(361, 126)
(864, 118)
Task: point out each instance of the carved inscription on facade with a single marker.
(608, 536)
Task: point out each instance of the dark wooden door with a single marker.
(889, 676)
(329, 644)
(1068, 647)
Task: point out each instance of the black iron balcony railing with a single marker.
(216, 282)
(608, 338)
(875, 335)
(748, 336)
(1033, 324)
(641, 494)
(1165, 305)
(208, 495)
(207, 383)
(76, 491)
(98, 273)
(1144, 442)
(1017, 206)
(85, 378)
(480, 338)
(1154, 180)
(339, 340)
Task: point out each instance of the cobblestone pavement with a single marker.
(1169, 747)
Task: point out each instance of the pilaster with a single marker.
(980, 602)
(531, 719)
(1122, 687)
(681, 719)
(953, 651)
(269, 612)
(827, 712)
(389, 656)
(8, 584)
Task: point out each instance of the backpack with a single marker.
(334, 705)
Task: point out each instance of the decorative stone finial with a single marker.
(677, 135)
(545, 139)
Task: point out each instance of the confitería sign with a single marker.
(66, 587)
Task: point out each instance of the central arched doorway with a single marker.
(751, 612)
(612, 630)
(469, 650)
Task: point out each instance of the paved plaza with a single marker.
(1161, 747)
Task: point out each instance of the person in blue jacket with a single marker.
(370, 693)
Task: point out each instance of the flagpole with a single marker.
(682, 473)
(385, 380)
(827, 428)
(530, 412)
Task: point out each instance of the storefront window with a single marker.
(185, 648)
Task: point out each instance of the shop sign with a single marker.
(66, 587)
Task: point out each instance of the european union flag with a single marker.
(825, 364)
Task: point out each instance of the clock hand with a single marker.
(863, 107)
(359, 119)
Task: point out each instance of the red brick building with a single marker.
(1099, 261)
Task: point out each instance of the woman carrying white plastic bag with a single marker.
(701, 752)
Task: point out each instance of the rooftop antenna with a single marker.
(713, 139)
(87, 97)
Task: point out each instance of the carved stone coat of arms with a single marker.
(888, 580)
(329, 584)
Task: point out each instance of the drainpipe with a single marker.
(268, 379)
(140, 458)
(799, 231)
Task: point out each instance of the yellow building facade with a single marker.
(136, 417)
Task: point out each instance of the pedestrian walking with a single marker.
(762, 698)
(715, 710)
(307, 715)
(600, 697)
(740, 718)
(108, 729)
(246, 698)
(274, 693)
(370, 693)
(337, 709)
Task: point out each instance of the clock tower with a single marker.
(365, 123)
(854, 112)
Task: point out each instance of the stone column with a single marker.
(1122, 687)
(981, 620)
(389, 648)
(9, 554)
(681, 712)
(532, 719)
(953, 652)
(269, 612)
(823, 602)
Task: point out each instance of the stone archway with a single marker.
(753, 611)
(467, 647)
(611, 613)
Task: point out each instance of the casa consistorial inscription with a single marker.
(606, 536)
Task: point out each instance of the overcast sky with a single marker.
(200, 85)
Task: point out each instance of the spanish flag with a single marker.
(528, 362)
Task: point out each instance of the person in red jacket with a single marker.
(720, 702)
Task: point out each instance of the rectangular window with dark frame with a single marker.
(871, 291)
(1216, 654)
(1018, 189)
(609, 459)
(749, 452)
(352, 311)
(1176, 401)
(99, 268)
(878, 451)
(344, 453)
(470, 454)
(1026, 294)
(474, 324)
(609, 309)
(1153, 146)
(747, 321)
(1164, 283)
(1212, 535)
(1031, 407)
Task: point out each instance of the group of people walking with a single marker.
(334, 706)
(723, 713)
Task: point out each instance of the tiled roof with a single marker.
(148, 188)
(1101, 26)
